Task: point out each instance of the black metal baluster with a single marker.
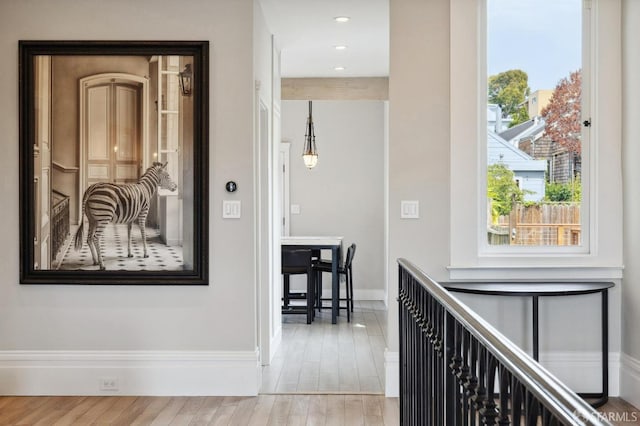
(440, 365)
(489, 412)
(428, 358)
(450, 394)
(471, 381)
(402, 339)
(504, 395)
(462, 377)
(516, 401)
(457, 373)
(531, 409)
(481, 385)
(423, 357)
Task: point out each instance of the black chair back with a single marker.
(296, 261)
(351, 252)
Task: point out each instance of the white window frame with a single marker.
(600, 255)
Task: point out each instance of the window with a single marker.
(534, 115)
(169, 126)
(598, 243)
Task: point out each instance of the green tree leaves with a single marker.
(509, 90)
(503, 189)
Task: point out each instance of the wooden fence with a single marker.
(549, 224)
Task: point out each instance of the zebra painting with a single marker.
(105, 202)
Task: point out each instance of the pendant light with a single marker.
(310, 153)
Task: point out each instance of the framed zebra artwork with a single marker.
(114, 162)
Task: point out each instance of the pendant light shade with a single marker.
(310, 153)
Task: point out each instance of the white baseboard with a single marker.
(368, 294)
(162, 373)
(581, 371)
(391, 374)
(274, 344)
(630, 379)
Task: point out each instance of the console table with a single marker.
(539, 289)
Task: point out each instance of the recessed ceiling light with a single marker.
(339, 68)
(341, 19)
(340, 47)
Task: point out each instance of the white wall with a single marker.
(208, 332)
(418, 148)
(424, 82)
(344, 194)
(630, 375)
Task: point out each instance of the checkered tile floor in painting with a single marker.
(114, 252)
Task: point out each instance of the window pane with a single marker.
(534, 127)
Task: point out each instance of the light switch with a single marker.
(295, 208)
(231, 209)
(410, 209)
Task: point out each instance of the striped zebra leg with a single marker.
(97, 235)
(129, 225)
(91, 241)
(142, 222)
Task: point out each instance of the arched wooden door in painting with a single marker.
(113, 128)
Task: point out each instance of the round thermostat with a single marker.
(231, 186)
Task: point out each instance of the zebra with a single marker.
(105, 202)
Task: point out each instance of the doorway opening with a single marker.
(343, 196)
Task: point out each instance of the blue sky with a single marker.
(540, 37)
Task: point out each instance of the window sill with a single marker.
(535, 272)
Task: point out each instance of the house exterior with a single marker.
(495, 121)
(531, 130)
(537, 101)
(205, 340)
(529, 172)
(562, 166)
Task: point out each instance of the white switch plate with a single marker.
(410, 209)
(231, 209)
(295, 208)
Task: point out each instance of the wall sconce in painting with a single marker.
(186, 80)
(310, 153)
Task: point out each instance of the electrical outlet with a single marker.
(108, 383)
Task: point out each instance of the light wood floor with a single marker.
(329, 410)
(620, 413)
(346, 357)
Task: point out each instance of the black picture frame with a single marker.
(194, 168)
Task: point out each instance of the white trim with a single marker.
(582, 371)
(466, 69)
(369, 294)
(168, 373)
(391, 373)
(630, 379)
(284, 150)
(274, 345)
(537, 273)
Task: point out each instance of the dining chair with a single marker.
(345, 269)
(298, 262)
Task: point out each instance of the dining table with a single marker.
(322, 243)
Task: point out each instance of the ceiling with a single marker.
(306, 33)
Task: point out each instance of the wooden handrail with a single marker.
(63, 168)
